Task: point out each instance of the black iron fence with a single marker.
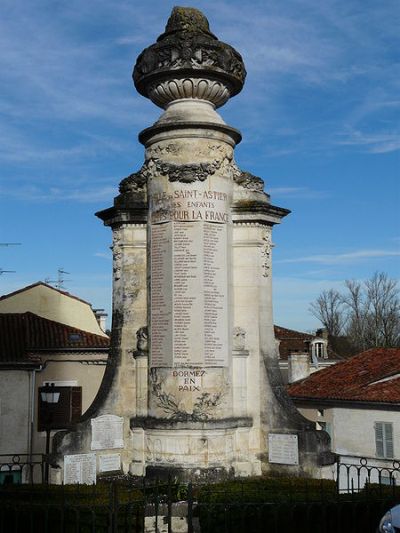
(21, 468)
(351, 503)
(353, 474)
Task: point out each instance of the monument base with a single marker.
(212, 450)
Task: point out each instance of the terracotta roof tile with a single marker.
(284, 333)
(372, 376)
(22, 335)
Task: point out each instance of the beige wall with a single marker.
(15, 399)
(353, 432)
(15, 411)
(86, 376)
(53, 305)
(16, 402)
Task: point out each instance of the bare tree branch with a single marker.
(367, 313)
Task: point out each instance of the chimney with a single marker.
(101, 316)
(299, 366)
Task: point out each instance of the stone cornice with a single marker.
(257, 212)
(115, 215)
(227, 131)
(168, 423)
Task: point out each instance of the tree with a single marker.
(368, 312)
(328, 308)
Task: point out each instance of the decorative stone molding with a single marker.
(266, 253)
(164, 71)
(247, 180)
(117, 253)
(241, 224)
(239, 338)
(166, 91)
(142, 336)
(189, 173)
(208, 150)
(203, 407)
(133, 183)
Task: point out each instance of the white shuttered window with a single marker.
(384, 440)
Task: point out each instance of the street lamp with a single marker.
(49, 397)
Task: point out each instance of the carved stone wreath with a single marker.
(249, 181)
(203, 408)
(184, 173)
(188, 173)
(135, 182)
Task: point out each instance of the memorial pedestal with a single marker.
(192, 385)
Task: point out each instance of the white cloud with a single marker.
(297, 192)
(377, 142)
(350, 257)
(35, 194)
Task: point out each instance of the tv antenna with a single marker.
(59, 282)
(5, 271)
(8, 244)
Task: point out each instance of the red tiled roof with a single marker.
(291, 341)
(371, 376)
(24, 333)
(297, 341)
(284, 333)
(37, 284)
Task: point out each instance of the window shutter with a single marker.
(380, 452)
(60, 415)
(388, 428)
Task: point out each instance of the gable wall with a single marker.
(53, 305)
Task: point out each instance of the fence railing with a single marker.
(353, 474)
(268, 505)
(21, 468)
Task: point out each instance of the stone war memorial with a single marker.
(192, 386)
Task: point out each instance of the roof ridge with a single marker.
(42, 283)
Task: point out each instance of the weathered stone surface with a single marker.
(165, 70)
(193, 370)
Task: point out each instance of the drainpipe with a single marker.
(32, 417)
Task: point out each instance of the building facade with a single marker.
(357, 402)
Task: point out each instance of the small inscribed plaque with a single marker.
(80, 469)
(283, 449)
(110, 462)
(107, 432)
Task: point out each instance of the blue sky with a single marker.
(319, 115)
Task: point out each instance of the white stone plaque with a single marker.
(161, 295)
(189, 294)
(107, 432)
(189, 275)
(110, 462)
(80, 469)
(283, 449)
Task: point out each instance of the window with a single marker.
(384, 440)
(320, 350)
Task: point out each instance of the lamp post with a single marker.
(49, 396)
